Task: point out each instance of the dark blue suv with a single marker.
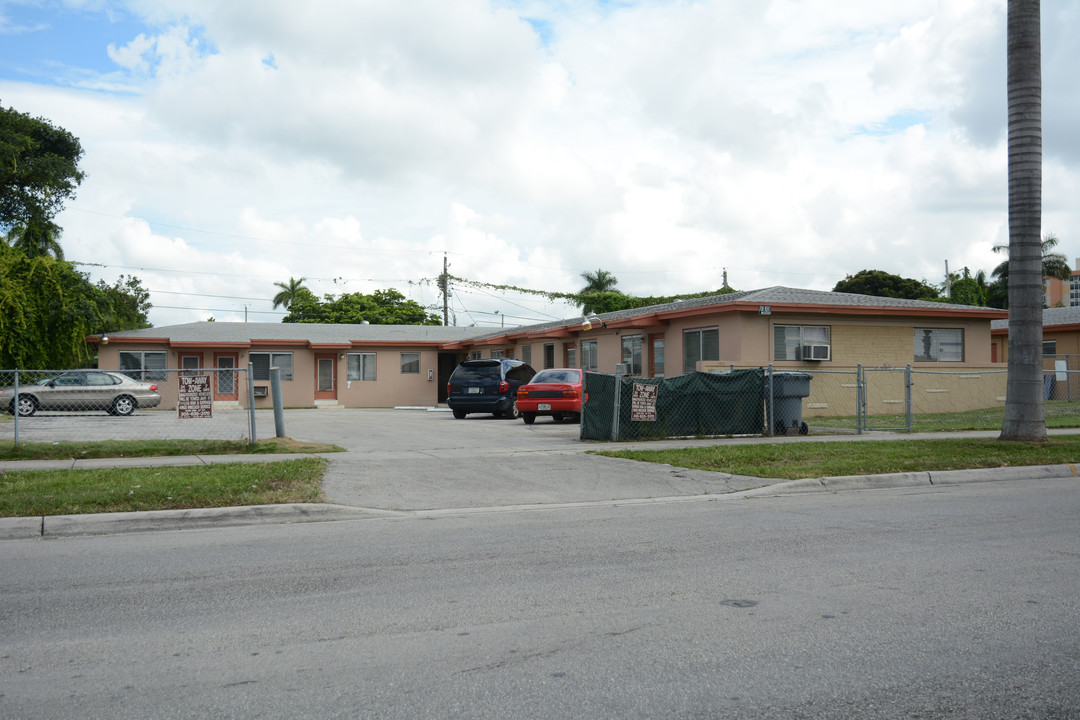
(487, 386)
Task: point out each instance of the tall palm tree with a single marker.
(1024, 412)
(289, 291)
(1054, 264)
(599, 281)
(36, 238)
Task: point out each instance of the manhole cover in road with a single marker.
(739, 603)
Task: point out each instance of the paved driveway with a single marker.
(421, 460)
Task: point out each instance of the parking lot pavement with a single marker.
(422, 460)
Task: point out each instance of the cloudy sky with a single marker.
(356, 143)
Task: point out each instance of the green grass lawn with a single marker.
(155, 448)
(62, 492)
(791, 461)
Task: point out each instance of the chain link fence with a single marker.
(767, 401)
(96, 405)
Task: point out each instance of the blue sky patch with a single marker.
(897, 123)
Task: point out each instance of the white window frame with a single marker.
(410, 363)
(590, 360)
(366, 365)
(689, 364)
(156, 372)
(261, 369)
(549, 355)
(938, 345)
(796, 336)
(633, 350)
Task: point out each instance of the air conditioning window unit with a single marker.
(261, 391)
(815, 352)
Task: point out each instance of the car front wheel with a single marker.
(27, 406)
(123, 405)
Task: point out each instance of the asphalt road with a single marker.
(946, 602)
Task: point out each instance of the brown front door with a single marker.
(326, 377)
(225, 378)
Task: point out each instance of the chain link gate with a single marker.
(884, 399)
(99, 405)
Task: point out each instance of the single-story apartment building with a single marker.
(395, 365)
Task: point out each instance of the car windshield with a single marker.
(557, 376)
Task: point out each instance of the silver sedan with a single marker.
(82, 390)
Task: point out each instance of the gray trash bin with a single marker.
(788, 390)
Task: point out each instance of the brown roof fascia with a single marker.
(329, 346)
(644, 322)
(140, 340)
(396, 343)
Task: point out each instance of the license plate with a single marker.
(473, 391)
(543, 406)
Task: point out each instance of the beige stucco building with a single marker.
(387, 366)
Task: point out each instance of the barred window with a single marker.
(261, 362)
(361, 366)
(144, 365)
(549, 355)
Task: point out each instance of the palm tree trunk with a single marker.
(1024, 414)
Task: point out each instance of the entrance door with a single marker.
(325, 377)
(225, 377)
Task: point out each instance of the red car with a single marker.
(556, 392)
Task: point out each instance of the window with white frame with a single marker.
(631, 354)
(261, 362)
(939, 345)
(410, 363)
(475, 355)
(496, 353)
(190, 364)
(1049, 347)
(549, 355)
(698, 345)
(589, 356)
(361, 366)
(571, 357)
(143, 365)
(801, 342)
(526, 354)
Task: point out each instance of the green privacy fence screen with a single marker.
(689, 405)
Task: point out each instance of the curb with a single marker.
(108, 523)
(913, 479)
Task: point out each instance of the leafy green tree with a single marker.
(882, 284)
(289, 292)
(968, 289)
(1025, 418)
(39, 169)
(47, 308)
(605, 302)
(383, 307)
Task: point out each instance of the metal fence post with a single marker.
(769, 412)
(860, 400)
(15, 407)
(620, 369)
(251, 401)
(279, 408)
(907, 394)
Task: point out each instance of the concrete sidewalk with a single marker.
(370, 482)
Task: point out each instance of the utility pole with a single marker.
(948, 281)
(444, 286)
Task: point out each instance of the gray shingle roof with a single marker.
(1051, 317)
(776, 295)
(317, 333)
(223, 332)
